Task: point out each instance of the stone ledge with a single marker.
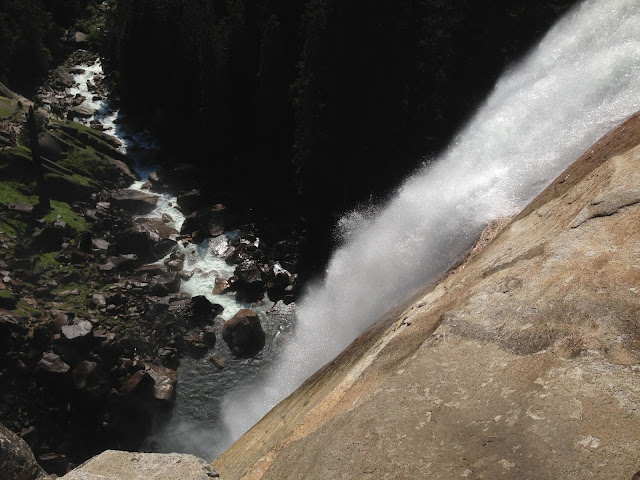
(118, 465)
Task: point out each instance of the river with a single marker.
(195, 425)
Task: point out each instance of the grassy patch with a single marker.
(81, 179)
(25, 311)
(14, 192)
(6, 109)
(9, 108)
(12, 228)
(47, 261)
(84, 161)
(67, 215)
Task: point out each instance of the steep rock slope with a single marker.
(522, 362)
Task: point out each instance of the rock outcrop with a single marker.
(16, 459)
(115, 465)
(522, 362)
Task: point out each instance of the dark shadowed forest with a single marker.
(313, 107)
(299, 109)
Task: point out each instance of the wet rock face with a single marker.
(16, 459)
(134, 201)
(243, 334)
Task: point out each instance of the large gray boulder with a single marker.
(16, 458)
(116, 465)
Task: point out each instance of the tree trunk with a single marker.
(43, 193)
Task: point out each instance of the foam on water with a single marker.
(582, 80)
(113, 122)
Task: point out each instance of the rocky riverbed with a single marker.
(93, 320)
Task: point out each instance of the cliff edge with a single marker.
(523, 362)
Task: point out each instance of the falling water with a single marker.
(582, 80)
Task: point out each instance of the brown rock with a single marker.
(221, 286)
(217, 361)
(243, 334)
(520, 363)
(80, 111)
(165, 381)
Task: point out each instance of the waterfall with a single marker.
(581, 81)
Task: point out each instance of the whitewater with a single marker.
(581, 81)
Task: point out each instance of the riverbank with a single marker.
(93, 322)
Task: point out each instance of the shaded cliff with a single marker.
(520, 363)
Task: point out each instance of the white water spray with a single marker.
(582, 80)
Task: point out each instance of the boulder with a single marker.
(16, 458)
(246, 252)
(189, 202)
(164, 380)
(221, 286)
(126, 262)
(162, 285)
(99, 245)
(113, 464)
(243, 334)
(52, 363)
(148, 239)
(97, 300)
(133, 241)
(134, 201)
(204, 223)
(78, 99)
(63, 79)
(203, 309)
(175, 262)
(78, 332)
(80, 37)
(80, 111)
(155, 228)
(249, 282)
(277, 286)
